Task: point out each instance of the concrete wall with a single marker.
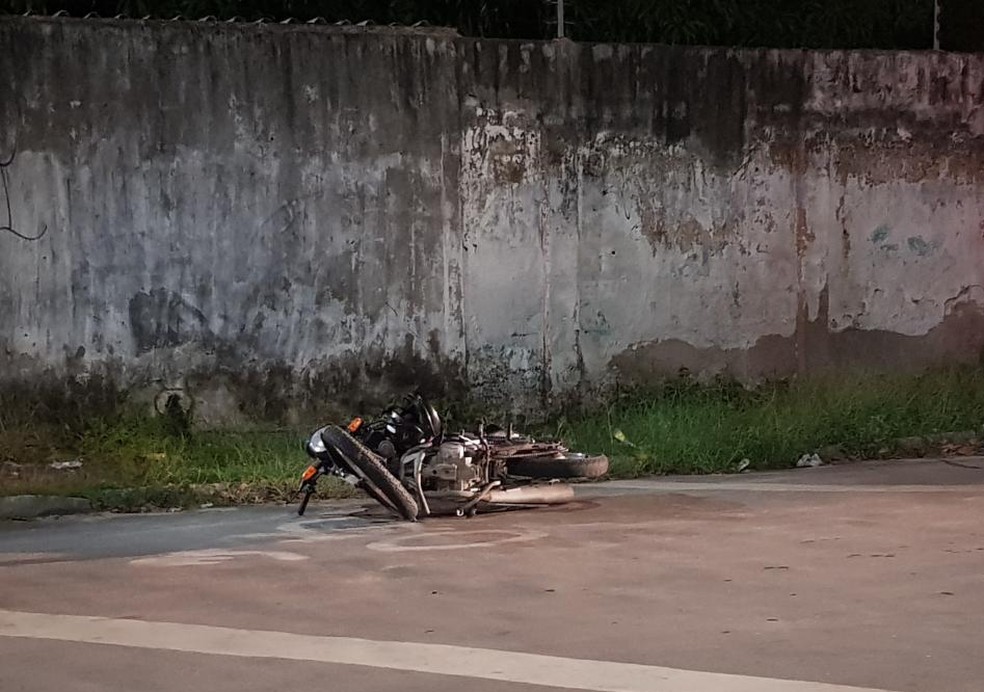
(266, 218)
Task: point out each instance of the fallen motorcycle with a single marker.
(404, 460)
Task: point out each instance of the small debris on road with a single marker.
(10, 469)
(66, 465)
(809, 461)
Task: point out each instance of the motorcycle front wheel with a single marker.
(376, 479)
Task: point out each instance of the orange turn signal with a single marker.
(309, 473)
(355, 425)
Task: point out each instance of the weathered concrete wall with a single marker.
(244, 214)
(268, 217)
(756, 213)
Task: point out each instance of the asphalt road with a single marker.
(820, 580)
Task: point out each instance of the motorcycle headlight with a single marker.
(316, 444)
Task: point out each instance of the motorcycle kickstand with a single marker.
(469, 508)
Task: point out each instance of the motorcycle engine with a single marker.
(451, 468)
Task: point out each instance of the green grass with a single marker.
(131, 462)
(686, 427)
(680, 427)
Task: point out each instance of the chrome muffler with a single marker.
(546, 494)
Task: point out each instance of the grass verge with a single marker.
(680, 427)
(137, 462)
(688, 427)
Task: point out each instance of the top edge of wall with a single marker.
(322, 26)
(238, 24)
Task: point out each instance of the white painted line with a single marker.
(440, 659)
(483, 539)
(189, 558)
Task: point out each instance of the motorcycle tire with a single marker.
(376, 494)
(558, 467)
(377, 478)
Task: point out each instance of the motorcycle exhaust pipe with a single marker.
(553, 494)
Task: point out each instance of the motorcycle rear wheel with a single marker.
(545, 467)
(377, 480)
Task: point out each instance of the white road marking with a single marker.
(396, 545)
(187, 558)
(440, 659)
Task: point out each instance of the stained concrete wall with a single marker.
(265, 218)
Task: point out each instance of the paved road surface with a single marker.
(863, 577)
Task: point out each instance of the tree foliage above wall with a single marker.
(890, 24)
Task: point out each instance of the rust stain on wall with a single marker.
(683, 236)
(815, 348)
